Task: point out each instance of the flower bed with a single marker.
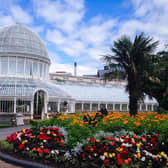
(96, 140)
(128, 150)
(39, 143)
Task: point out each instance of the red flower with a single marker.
(105, 147)
(92, 140)
(9, 139)
(125, 140)
(132, 142)
(106, 162)
(46, 151)
(59, 134)
(83, 155)
(114, 139)
(119, 162)
(99, 150)
(146, 147)
(55, 129)
(124, 152)
(87, 149)
(52, 132)
(135, 136)
(21, 146)
(39, 150)
(108, 138)
(143, 138)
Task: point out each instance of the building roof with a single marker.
(18, 39)
(97, 92)
(22, 87)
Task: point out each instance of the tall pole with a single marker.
(75, 69)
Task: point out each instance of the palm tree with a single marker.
(135, 58)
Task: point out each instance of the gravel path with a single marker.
(7, 165)
(4, 132)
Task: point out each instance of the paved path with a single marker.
(7, 165)
(4, 132)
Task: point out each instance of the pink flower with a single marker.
(111, 143)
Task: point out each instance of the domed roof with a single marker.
(18, 39)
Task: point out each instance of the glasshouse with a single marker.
(25, 86)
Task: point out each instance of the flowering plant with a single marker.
(42, 142)
(124, 150)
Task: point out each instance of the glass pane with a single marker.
(28, 68)
(94, 107)
(12, 66)
(20, 66)
(78, 107)
(102, 106)
(86, 107)
(149, 107)
(44, 70)
(143, 106)
(117, 107)
(22, 106)
(110, 107)
(4, 65)
(35, 71)
(124, 107)
(41, 70)
(52, 107)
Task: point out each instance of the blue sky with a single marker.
(83, 30)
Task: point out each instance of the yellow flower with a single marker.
(113, 154)
(119, 149)
(138, 145)
(110, 155)
(97, 140)
(138, 155)
(25, 141)
(105, 154)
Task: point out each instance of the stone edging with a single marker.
(23, 163)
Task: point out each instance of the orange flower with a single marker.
(125, 122)
(149, 125)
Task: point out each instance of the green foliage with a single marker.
(5, 125)
(134, 57)
(5, 146)
(92, 121)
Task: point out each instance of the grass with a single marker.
(5, 125)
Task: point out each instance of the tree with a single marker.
(135, 58)
(158, 88)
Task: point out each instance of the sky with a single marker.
(83, 31)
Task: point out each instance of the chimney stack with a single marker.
(75, 69)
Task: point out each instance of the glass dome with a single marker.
(20, 39)
(22, 53)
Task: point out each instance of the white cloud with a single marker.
(20, 15)
(5, 20)
(63, 14)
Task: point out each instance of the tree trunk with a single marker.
(133, 103)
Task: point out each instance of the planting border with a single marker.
(23, 163)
